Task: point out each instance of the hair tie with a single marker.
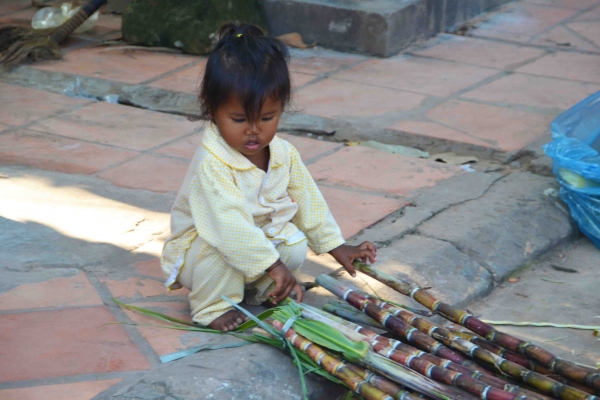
(239, 35)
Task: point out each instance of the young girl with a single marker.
(248, 207)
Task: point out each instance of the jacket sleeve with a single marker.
(313, 216)
(220, 213)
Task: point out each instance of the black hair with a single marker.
(247, 64)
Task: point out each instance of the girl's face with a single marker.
(249, 139)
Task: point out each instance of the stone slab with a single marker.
(376, 27)
(249, 372)
(444, 194)
(536, 296)
(453, 276)
(55, 224)
(513, 223)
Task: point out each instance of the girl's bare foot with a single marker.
(229, 321)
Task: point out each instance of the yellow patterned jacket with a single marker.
(243, 212)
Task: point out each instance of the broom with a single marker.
(19, 44)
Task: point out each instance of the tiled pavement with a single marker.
(496, 89)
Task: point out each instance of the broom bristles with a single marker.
(19, 44)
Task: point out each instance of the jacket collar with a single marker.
(216, 145)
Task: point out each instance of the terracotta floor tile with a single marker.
(333, 98)
(58, 292)
(317, 65)
(561, 38)
(189, 79)
(480, 52)
(486, 32)
(507, 128)
(421, 75)
(20, 105)
(589, 30)
(65, 391)
(184, 148)
(373, 170)
(63, 343)
(53, 153)
(436, 131)
(122, 66)
(527, 19)
(577, 4)
(166, 341)
(299, 78)
(185, 81)
(149, 172)
(11, 6)
(357, 211)
(527, 90)
(307, 147)
(118, 125)
(150, 268)
(581, 67)
(138, 288)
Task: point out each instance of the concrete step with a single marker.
(376, 27)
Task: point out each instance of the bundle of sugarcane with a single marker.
(465, 358)
(19, 44)
(428, 361)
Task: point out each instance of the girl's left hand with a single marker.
(346, 254)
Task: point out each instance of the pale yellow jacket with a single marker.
(243, 212)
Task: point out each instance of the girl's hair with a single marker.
(247, 64)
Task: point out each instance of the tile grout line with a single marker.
(564, 21)
(329, 74)
(588, 41)
(132, 332)
(60, 380)
(172, 72)
(44, 309)
(536, 46)
(358, 189)
(318, 157)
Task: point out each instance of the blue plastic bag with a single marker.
(575, 151)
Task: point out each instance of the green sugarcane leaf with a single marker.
(154, 314)
(188, 326)
(322, 334)
(188, 352)
(254, 318)
(300, 370)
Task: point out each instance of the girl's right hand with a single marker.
(285, 283)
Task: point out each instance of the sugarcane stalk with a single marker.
(358, 333)
(585, 375)
(515, 357)
(407, 332)
(492, 347)
(350, 330)
(334, 366)
(386, 347)
(343, 310)
(385, 385)
(413, 380)
(19, 44)
(517, 371)
(446, 376)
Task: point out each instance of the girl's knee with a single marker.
(293, 255)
